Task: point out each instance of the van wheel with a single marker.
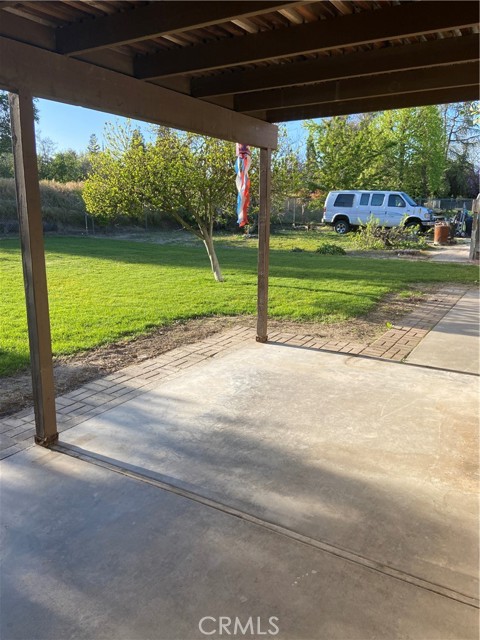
(342, 226)
(414, 222)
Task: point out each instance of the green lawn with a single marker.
(104, 289)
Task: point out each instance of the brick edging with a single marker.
(94, 398)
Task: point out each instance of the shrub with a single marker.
(373, 236)
(368, 236)
(331, 249)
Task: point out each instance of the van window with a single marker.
(410, 200)
(377, 199)
(344, 200)
(364, 198)
(395, 200)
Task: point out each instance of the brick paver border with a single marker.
(94, 398)
(398, 341)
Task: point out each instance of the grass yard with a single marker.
(105, 289)
(288, 239)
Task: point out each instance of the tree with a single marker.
(310, 168)
(116, 183)
(5, 130)
(462, 150)
(64, 166)
(401, 150)
(461, 123)
(192, 179)
(412, 143)
(93, 145)
(346, 150)
(462, 178)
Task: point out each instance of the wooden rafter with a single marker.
(385, 84)
(403, 21)
(365, 63)
(55, 77)
(154, 20)
(347, 107)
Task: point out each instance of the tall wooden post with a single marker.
(263, 243)
(33, 258)
(475, 239)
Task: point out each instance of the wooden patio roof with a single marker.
(228, 68)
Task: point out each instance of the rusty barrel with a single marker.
(441, 233)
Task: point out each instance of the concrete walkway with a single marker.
(335, 494)
(459, 252)
(454, 342)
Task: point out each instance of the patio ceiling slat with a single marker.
(420, 55)
(153, 20)
(405, 20)
(385, 84)
(400, 101)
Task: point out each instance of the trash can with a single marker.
(441, 233)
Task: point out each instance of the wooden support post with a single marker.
(34, 272)
(475, 239)
(263, 243)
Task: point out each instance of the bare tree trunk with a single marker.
(208, 242)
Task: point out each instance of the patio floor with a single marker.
(334, 492)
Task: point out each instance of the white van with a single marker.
(346, 209)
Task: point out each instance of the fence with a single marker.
(449, 204)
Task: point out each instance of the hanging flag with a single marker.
(242, 165)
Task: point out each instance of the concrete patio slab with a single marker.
(371, 456)
(454, 342)
(334, 492)
(92, 554)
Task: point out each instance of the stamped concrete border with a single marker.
(94, 398)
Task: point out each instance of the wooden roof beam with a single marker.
(401, 21)
(48, 75)
(356, 88)
(399, 58)
(347, 107)
(154, 20)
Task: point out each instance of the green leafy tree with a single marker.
(413, 150)
(116, 185)
(191, 177)
(346, 150)
(187, 176)
(402, 149)
(65, 166)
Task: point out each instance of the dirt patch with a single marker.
(73, 371)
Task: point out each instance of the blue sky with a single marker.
(71, 127)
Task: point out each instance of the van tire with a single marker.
(341, 226)
(414, 222)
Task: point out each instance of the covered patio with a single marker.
(334, 497)
(337, 498)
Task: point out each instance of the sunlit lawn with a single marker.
(105, 289)
(289, 239)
